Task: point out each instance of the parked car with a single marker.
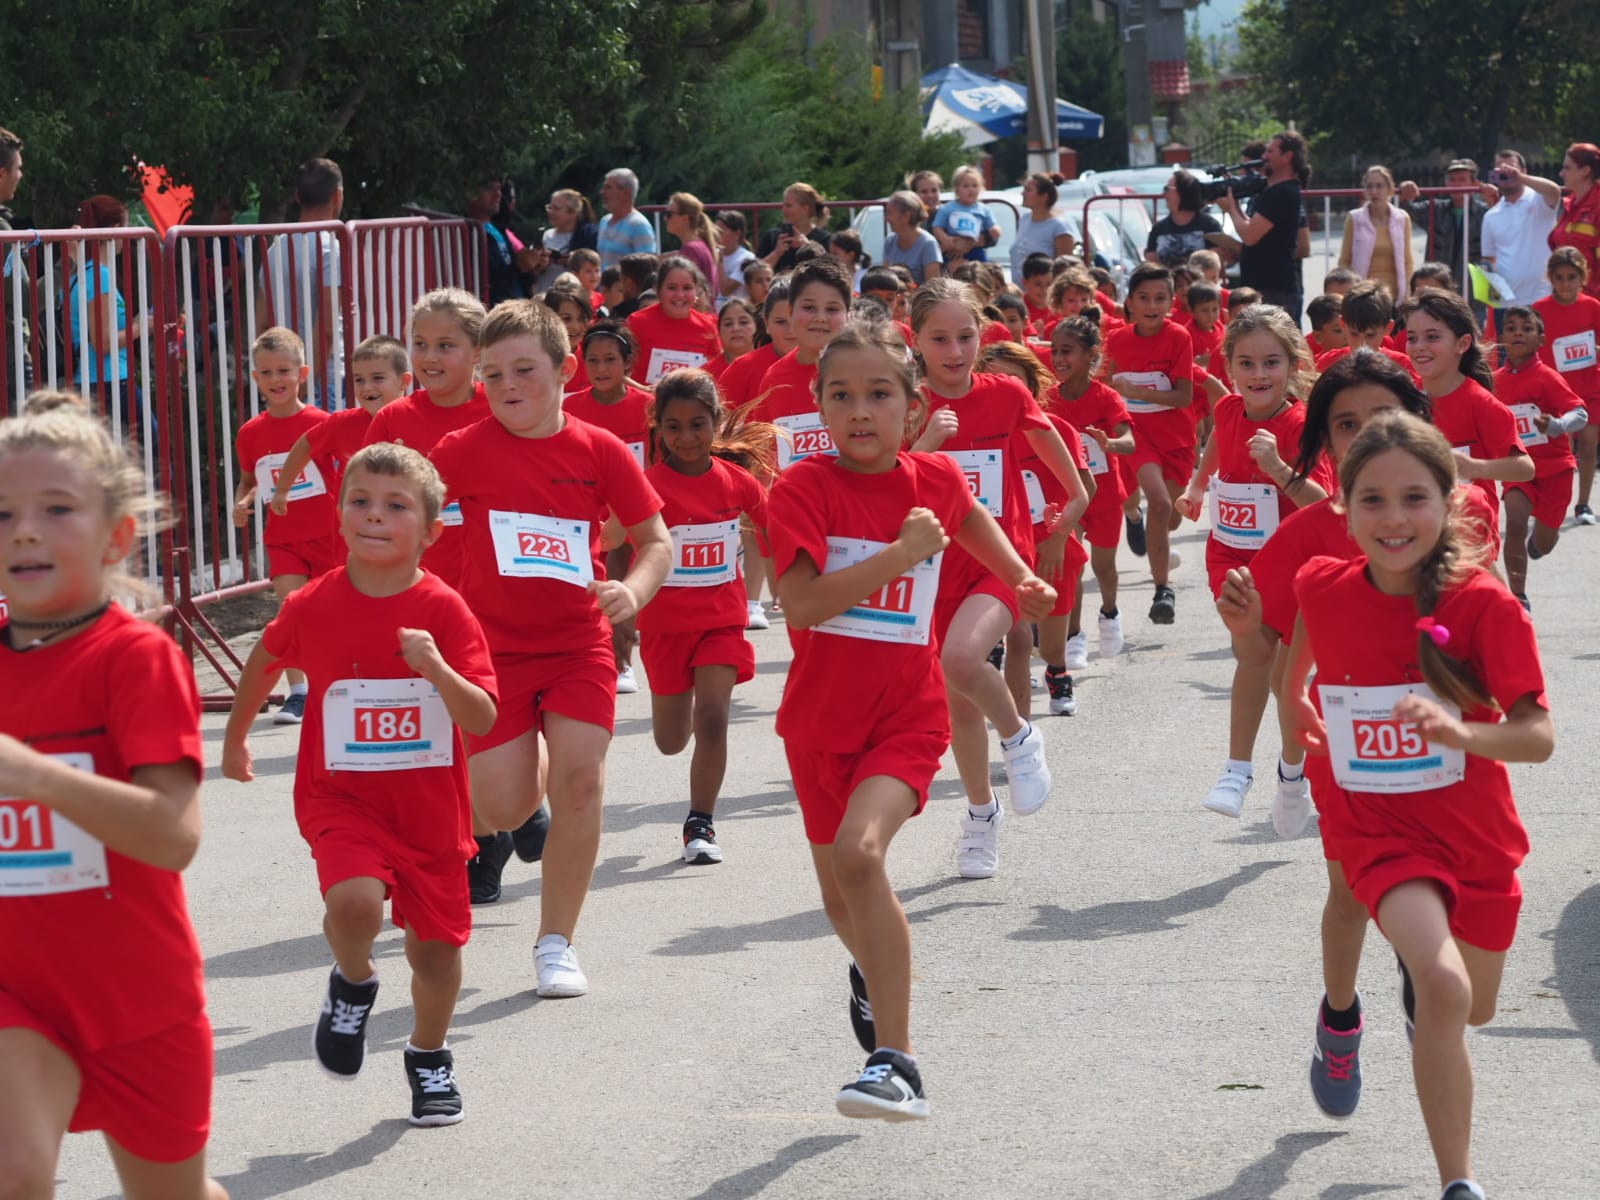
(1149, 181)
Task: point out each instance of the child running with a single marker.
(396, 663)
(300, 542)
(381, 374)
(1251, 490)
(102, 1015)
(672, 333)
(982, 422)
(1428, 683)
(1151, 364)
(858, 541)
(1572, 325)
(693, 642)
(532, 485)
(1547, 412)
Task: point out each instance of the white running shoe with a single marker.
(1227, 797)
(978, 851)
(627, 685)
(1174, 560)
(756, 616)
(1077, 651)
(560, 976)
(1110, 635)
(1291, 807)
(1027, 773)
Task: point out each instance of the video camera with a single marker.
(1242, 179)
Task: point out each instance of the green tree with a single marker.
(1089, 73)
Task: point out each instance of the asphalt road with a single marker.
(1124, 1010)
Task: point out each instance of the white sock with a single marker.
(1289, 773)
(1017, 738)
(372, 977)
(299, 689)
(986, 811)
(413, 1048)
(1242, 766)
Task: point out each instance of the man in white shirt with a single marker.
(300, 284)
(1516, 231)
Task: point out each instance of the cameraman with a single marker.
(1269, 258)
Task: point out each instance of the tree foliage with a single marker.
(1089, 73)
(1396, 77)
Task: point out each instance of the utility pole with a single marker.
(1043, 132)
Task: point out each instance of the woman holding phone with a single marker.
(804, 212)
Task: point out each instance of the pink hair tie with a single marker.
(1439, 633)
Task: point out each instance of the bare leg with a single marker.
(713, 699)
(1588, 438)
(1344, 930)
(435, 984)
(576, 786)
(1019, 667)
(1103, 561)
(506, 784)
(1157, 522)
(1515, 543)
(351, 921)
(34, 1112)
(146, 1180)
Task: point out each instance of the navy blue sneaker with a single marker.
(1336, 1068)
(861, 1011)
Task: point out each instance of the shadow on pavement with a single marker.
(293, 954)
(275, 1174)
(1122, 918)
(752, 1181)
(1265, 1176)
(1577, 956)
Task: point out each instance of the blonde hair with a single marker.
(526, 318)
(1039, 378)
(1269, 318)
(966, 171)
(278, 340)
(399, 462)
(700, 224)
(1382, 171)
(1202, 261)
(385, 349)
(463, 307)
(60, 423)
(940, 291)
(1073, 279)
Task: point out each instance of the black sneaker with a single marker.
(293, 710)
(997, 657)
(1135, 528)
(1164, 609)
(861, 1011)
(435, 1098)
(700, 847)
(1583, 514)
(528, 838)
(340, 1039)
(1463, 1189)
(1533, 551)
(1059, 684)
(483, 869)
(889, 1089)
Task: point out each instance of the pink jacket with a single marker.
(1362, 236)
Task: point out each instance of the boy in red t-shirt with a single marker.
(533, 485)
(1367, 313)
(397, 661)
(1327, 325)
(381, 373)
(301, 543)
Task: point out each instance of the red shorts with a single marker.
(428, 895)
(824, 780)
(153, 1096)
(1319, 775)
(1220, 560)
(1102, 523)
(1483, 912)
(1176, 462)
(1549, 496)
(309, 558)
(580, 683)
(1073, 559)
(982, 583)
(670, 658)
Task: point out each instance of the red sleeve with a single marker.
(1311, 582)
(1031, 416)
(1504, 650)
(157, 717)
(280, 637)
(245, 443)
(464, 646)
(444, 457)
(944, 489)
(1069, 435)
(1181, 366)
(627, 492)
(378, 431)
(1497, 427)
(797, 517)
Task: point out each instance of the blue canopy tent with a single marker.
(984, 109)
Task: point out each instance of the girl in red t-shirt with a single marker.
(739, 328)
(100, 767)
(1572, 333)
(983, 422)
(860, 540)
(692, 634)
(1428, 683)
(672, 333)
(1251, 490)
(576, 311)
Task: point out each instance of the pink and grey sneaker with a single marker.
(1336, 1066)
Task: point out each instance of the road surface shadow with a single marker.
(752, 1181)
(1265, 1176)
(1123, 918)
(275, 1174)
(1577, 957)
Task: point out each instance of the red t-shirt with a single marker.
(1208, 345)
(1361, 637)
(263, 442)
(1233, 430)
(994, 331)
(689, 600)
(341, 435)
(1040, 318)
(670, 344)
(740, 383)
(1039, 483)
(1539, 388)
(1314, 344)
(1101, 406)
(418, 422)
(1324, 361)
(845, 692)
(116, 961)
(1171, 353)
(532, 512)
(337, 635)
(1570, 334)
(1477, 423)
(628, 418)
(787, 389)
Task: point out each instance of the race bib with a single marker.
(663, 361)
(1527, 432)
(1243, 515)
(1372, 752)
(637, 450)
(1035, 490)
(450, 514)
(704, 555)
(385, 725)
(1575, 352)
(966, 225)
(528, 546)
(1146, 379)
(901, 611)
(807, 436)
(1099, 460)
(986, 477)
(44, 854)
(308, 484)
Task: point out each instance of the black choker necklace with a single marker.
(54, 627)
